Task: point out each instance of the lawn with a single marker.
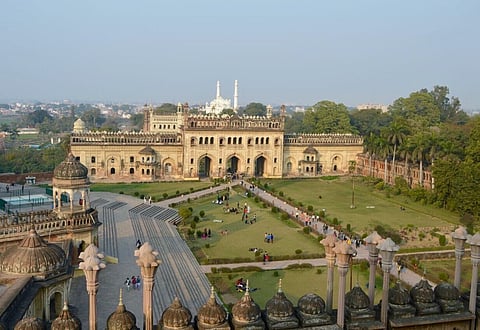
(289, 238)
(155, 189)
(372, 207)
(295, 283)
(439, 270)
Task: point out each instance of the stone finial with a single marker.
(147, 256)
(91, 259)
(460, 233)
(344, 252)
(329, 243)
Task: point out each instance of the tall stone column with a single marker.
(474, 242)
(91, 265)
(329, 243)
(372, 241)
(387, 250)
(344, 253)
(459, 237)
(148, 263)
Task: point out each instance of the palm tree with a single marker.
(395, 135)
(369, 146)
(420, 143)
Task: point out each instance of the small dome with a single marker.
(310, 150)
(121, 319)
(246, 310)
(32, 256)
(66, 321)
(30, 323)
(422, 292)
(176, 316)
(279, 305)
(446, 291)
(312, 304)
(357, 299)
(70, 168)
(79, 126)
(398, 295)
(147, 151)
(212, 313)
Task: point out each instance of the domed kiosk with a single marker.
(70, 187)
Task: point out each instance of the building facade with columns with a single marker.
(187, 146)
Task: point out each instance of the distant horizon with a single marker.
(281, 52)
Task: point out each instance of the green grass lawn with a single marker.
(438, 270)
(295, 284)
(372, 207)
(288, 236)
(156, 189)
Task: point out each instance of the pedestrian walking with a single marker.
(138, 281)
(128, 283)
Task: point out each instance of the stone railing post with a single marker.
(344, 252)
(459, 237)
(329, 243)
(387, 250)
(91, 265)
(148, 263)
(372, 242)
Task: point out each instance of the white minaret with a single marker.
(218, 89)
(235, 97)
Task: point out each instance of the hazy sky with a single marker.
(281, 52)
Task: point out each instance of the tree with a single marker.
(421, 144)
(93, 118)
(255, 109)
(327, 117)
(136, 121)
(166, 108)
(36, 117)
(395, 135)
(369, 121)
(449, 108)
(294, 123)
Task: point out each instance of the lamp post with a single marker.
(148, 263)
(372, 241)
(344, 253)
(351, 168)
(459, 236)
(474, 242)
(91, 265)
(387, 250)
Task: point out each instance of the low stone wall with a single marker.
(41, 177)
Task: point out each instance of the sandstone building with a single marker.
(187, 146)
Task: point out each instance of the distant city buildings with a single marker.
(367, 106)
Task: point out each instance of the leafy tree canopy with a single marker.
(327, 117)
(369, 121)
(93, 118)
(166, 108)
(255, 109)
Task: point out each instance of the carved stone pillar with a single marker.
(344, 253)
(91, 265)
(459, 236)
(329, 243)
(387, 251)
(474, 242)
(148, 263)
(372, 241)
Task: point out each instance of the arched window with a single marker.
(211, 140)
(267, 140)
(132, 170)
(289, 167)
(200, 140)
(93, 171)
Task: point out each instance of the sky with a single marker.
(281, 52)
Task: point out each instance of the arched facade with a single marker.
(217, 146)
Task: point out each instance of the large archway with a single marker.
(260, 166)
(204, 167)
(232, 165)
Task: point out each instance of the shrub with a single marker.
(307, 230)
(202, 213)
(256, 199)
(121, 192)
(319, 271)
(136, 194)
(298, 251)
(199, 233)
(193, 225)
(196, 219)
(274, 209)
(443, 276)
(275, 273)
(442, 240)
(165, 195)
(207, 246)
(213, 270)
(310, 208)
(280, 193)
(284, 216)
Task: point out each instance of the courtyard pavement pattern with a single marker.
(126, 219)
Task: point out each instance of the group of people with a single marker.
(147, 200)
(268, 238)
(133, 282)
